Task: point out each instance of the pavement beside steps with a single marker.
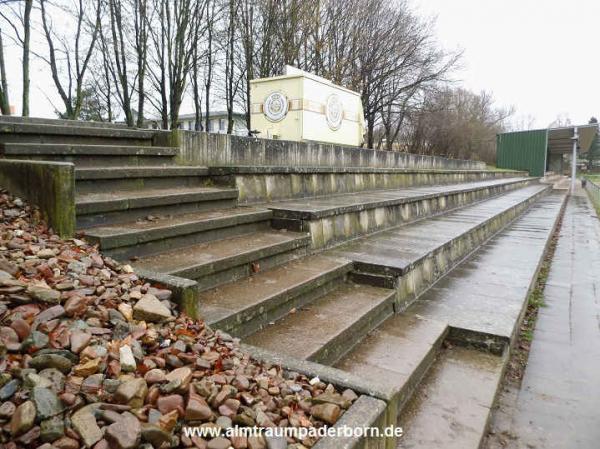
(558, 405)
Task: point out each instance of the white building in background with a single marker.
(217, 123)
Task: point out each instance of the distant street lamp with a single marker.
(575, 140)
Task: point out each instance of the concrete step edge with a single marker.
(335, 342)
(67, 130)
(218, 170)
(199, 270)
(343, 342)
(85, 150)
(257, 314)
(474, 420)
(279, 210)
(423, 346)
(99, 173)
(129, 237)
(10, 119)
(84, 207)
(369, 268)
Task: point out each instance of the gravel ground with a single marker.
(93, 356)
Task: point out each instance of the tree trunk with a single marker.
(370, 130)
(4, 103)
(231, 68)
(26, 40)
(142, 56)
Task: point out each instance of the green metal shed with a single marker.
(523, 150)
(535, 150)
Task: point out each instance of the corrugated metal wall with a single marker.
(523, 150)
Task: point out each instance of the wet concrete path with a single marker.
(558, 405)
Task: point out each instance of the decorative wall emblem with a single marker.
(276, 106)
(334, 112)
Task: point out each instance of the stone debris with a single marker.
(93, 356)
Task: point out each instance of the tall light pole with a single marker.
(575, 140)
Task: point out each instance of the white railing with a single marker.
(594, 192)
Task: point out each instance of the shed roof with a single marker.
(560, 139)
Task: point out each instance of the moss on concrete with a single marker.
(48, 185)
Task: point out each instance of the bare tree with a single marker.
(158, 70)
(173, 40)
(230, 72)
(4, 101)
(17, 14)
(211, 16)
(125, 50)
(120, 56)
(199, 29)
(457, 123)
(141, 47)
(26, 44)
(73, 54)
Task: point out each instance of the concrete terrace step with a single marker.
(245, 306)
(10, 119)
(145, 237)
(122, 206)
(273, 183)
(96, 156)
(330, 326)
(222, 261)
(397, 354)
(341, 217)
(27, 131)
(101, 173)
(13, 149)
(94, 179)
(414, 256)
(475, 299)
(338, 204)
(452, 406)
(474, 306)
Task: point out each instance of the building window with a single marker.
(222, 124)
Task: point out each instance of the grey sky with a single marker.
(539, 56)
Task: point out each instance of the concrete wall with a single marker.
(49, 185)
(198, 148)
(258, 184)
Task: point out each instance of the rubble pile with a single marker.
(92, 356)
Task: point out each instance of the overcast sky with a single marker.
(539, 56)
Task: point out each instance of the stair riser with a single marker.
(135, 184)
(162, 244)
(496, 344)
(253, 319)
(428, 270)
(74, 138)
(243, 269)
(403, 395)
(332, 230)
(417, 375)
(11, 120)
(102, 161)
(86, 220)
(493, 344)
(437, 388)
(265, 187)
(336, 348)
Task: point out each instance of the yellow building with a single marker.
(301, 106)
